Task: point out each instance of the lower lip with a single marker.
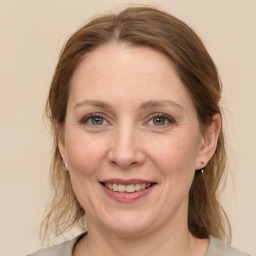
(127, 197)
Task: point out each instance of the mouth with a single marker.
(130, 188)
(127, 191)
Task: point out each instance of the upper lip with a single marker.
(127, 182)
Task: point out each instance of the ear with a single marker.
(209, 142)
(59, 133)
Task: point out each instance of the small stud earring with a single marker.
(65, 165)
(202, 170)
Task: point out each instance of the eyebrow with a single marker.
(95, 103)
(145, 105)
(160, 103)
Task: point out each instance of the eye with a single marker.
(161, 120)
(94, 120)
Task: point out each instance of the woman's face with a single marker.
(131, 140)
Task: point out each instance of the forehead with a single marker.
(118, 58)
(116, 70)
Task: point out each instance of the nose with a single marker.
(126, 150)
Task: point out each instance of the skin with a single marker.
(127, 87)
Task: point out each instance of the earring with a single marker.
(65, 165)
(202, 170)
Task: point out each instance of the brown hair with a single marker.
(143, 26)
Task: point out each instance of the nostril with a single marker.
(113, 162)
(124, 164)
(133, 163)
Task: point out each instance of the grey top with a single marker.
(216, 248)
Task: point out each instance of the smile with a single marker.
(131, 188)
(127, 191)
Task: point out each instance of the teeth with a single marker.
(138, 187)
(126, 188)
(130, 188)
(121, 188)
(114, 186)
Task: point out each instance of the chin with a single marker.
(129, 230)
(129, 224)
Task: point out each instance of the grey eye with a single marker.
(158, 121)
(97, 120)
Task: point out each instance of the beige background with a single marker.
(32, 33)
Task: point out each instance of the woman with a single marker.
(139, 147)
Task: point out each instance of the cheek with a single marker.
(174, 155)
(84, 154)
(175, 158)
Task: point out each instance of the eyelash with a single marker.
(88, 117)
(169, 119)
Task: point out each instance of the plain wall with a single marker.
(32, 32)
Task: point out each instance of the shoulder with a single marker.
(217, 248)
(63, 249)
